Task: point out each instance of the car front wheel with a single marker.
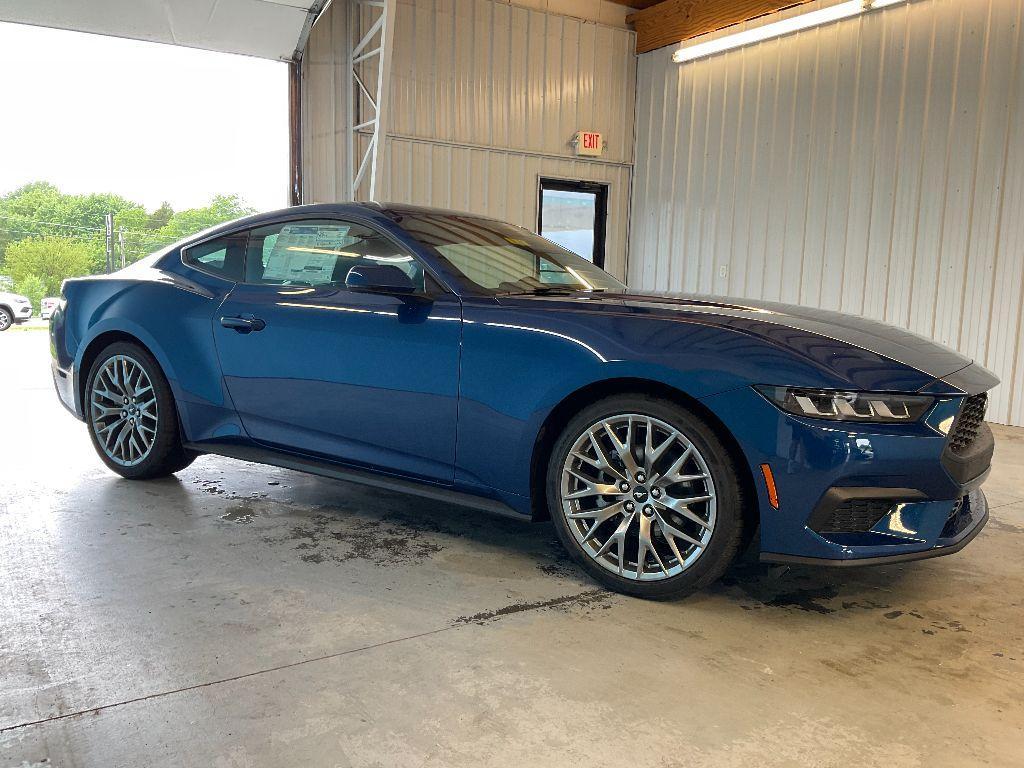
(645, 496)
(5, 318)
(132, 418)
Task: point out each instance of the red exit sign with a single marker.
(589, 144)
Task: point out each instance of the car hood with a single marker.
(759, 317)
(897, 344)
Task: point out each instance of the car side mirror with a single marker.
(379, 278)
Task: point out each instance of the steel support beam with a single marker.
(371, 28)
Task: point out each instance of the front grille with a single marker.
(856, 515)
(968, 423)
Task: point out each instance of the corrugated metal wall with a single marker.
(874, 166)
(325, 77)
(485, 97)
(484, 73)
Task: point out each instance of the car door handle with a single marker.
(243, 324)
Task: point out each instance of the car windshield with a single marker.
(501, 259)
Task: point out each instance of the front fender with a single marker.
(519, 361)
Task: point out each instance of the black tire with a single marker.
(6, 318)
(166, 455)
(727, 534)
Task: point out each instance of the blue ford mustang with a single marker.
(465, 359)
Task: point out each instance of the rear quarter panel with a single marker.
(172, 317)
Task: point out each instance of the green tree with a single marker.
(159, 218)
(32, 288)
(41, 210)
(221, 208)
(50, 259)
(141, 241)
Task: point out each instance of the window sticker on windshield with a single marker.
(307, 253)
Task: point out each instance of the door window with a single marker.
(222, 256)
(317, 252)
(573, 214)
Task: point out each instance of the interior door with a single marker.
(312, 367)
(574, 214)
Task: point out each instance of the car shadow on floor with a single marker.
(324, 521)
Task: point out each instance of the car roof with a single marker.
(393, 211)
(335, 209)
(400, 208)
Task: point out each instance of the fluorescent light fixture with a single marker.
(836, 12)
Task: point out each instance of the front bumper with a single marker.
(925, 512)
(22, 313)
(976, 506)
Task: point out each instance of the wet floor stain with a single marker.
(327, 538)
(557, 562)
(764, 587)
(589, 599)
(757, 587)
(560, 569)
(391, 530)
(241, 515)
(209, 486)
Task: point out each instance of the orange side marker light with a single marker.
(769, 483)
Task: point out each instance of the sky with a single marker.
(147, 121)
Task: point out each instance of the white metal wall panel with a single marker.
(499, 183)
(484, 99)
(873, 166)
(480, 72)
(325, 75)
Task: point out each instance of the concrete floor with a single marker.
(245, 616)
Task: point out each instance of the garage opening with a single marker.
(574, 215)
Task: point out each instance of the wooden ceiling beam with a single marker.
(672, 21)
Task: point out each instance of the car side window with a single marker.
(316, 252)
(222, 256)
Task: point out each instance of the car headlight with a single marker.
(22, 300)
(876, 407)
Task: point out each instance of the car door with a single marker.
(368, 379)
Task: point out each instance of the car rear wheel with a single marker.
(5, 318)
(132, 418)
(645, 496)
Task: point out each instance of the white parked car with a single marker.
(47, 305)
(14, 308)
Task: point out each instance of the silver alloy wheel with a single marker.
(5, 319)
(639, 497)
(123, 410)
